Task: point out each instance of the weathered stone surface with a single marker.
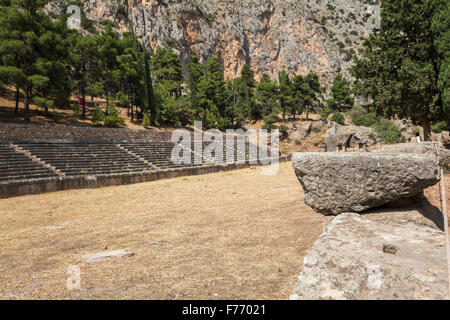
(100, 256)
(348, 136)
(332, 141)
(358, 258)
(418, 148)
(353, 182)
(302, 131)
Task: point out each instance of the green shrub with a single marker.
(283, 128)
(388, 132)
(360, 117)
(76, 112)
(98, 116)
(316, 129)
(357, 110)
(114, 121)
(269, 121)
(439, 127)
(146, 121)
(326, 111)
(338, 118)
(367, 120)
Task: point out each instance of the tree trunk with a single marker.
(307, 113)
(16, 110)
(132, 113)
(426, 129)
(27, 104)
(83, 96)
(107, 102)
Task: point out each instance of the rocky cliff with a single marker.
(269, 35)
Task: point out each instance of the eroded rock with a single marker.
(353, 182)
(359, 258)
(301, 132)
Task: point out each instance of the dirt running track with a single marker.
(233, 235)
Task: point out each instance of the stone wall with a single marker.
(20, 132)
(36, 186)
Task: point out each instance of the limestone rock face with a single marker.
(337, 182)
(360, 258)
(300, 36)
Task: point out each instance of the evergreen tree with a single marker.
(166, 67)
(285, 95)
(399, 71)
(131, 72)
(196, 73)
(28, 60)
(441, 35)
(220, 99)
(83, 55)
(244, 95)
(306, 92)
(266, 96)
(152, 104)
(109, 68)
(342, 99)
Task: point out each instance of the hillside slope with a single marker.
(269, 35)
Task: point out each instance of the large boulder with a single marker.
(301, 132)
(353, 182)
(361, 258)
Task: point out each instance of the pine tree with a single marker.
(220, 99)
(109, 69)
(131, 75)
(342, 99)
(306, 92)
(196, 72)
(244, 99)
(266, 96)
(83, 56)
(285, 95)
(166, 67)
(441, 35)
(31, 52)
(152, 104)
(399, 71)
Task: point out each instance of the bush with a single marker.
(338, 118)
(114, 121)
(439, 127)
(388, 132)
(360, 117)
(146, 121)
(269, 121)
(76, 112)
(367, 120)
(326, 111)
(98, 116)
(357, 110)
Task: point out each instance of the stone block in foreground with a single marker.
(337, 182)
(358, 258)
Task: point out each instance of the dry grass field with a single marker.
(232, 235)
